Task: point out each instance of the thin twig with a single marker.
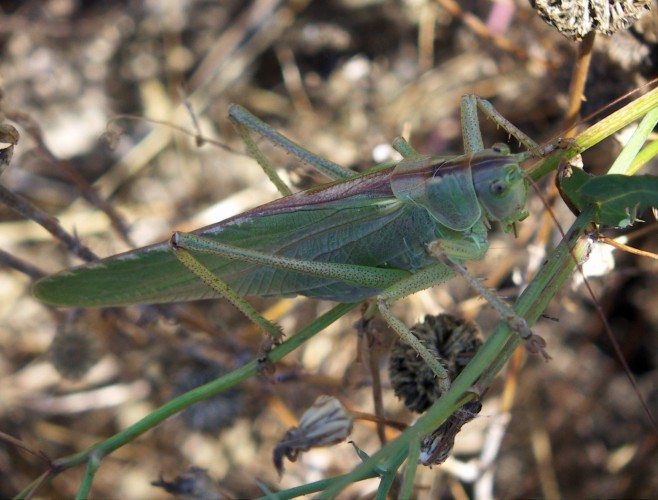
(626, 248)
(26, 209)
(87, 191)
(20, 265)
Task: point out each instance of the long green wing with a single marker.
(356, 221)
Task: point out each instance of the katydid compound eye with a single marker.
(498, 187)
(501, 148)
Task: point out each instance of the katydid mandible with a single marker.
(386, 233)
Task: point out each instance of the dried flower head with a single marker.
(194, 483)
(436, 447)
(576, 18)
(213, 414)
(325, 423)
(453, 341)
(74, 350)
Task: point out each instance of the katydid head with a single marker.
(500, 185)
(462, 190)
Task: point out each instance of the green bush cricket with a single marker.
(386, 233)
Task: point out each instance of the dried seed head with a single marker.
(325, 423)
(194, 483)
(576, 18)
(213, 414)
(453, 341)
(74, 350)
(436, 447)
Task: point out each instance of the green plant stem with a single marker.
(493, 354)
(632, 148)
(94, 454)
(307, 489)
(407, 488)
(597, 132)
(324, 484)
(646, 154)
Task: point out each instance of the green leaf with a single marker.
(570, 183)
(619, 199)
